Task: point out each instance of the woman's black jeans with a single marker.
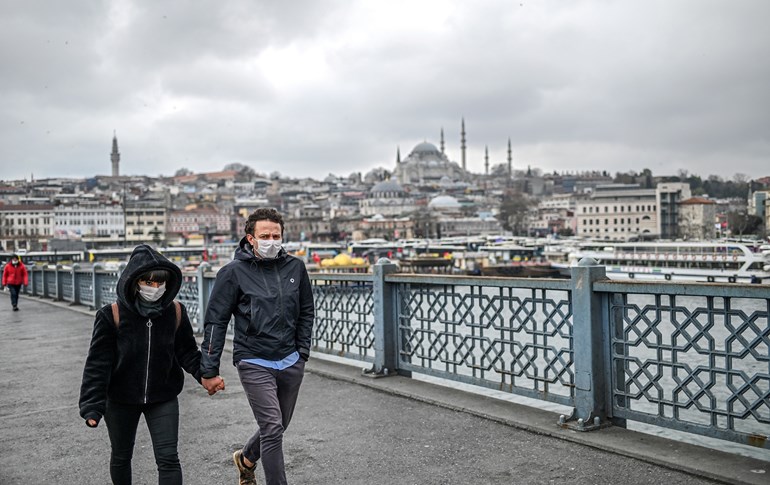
(163, 423)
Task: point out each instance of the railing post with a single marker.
(57, 276)
(203, 296)
(75, 286)
(588, 346)
(45, 282)
(33, 290)
(96, 282)
(385, 324)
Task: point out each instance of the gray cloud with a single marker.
(309, 88)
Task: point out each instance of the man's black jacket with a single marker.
(272, 301)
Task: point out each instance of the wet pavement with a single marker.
(347, 429)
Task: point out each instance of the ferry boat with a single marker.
(719, 261)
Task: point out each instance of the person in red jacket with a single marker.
(14, 277)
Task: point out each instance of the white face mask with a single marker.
(268, 249)
(150, 293)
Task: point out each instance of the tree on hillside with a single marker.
(182, 172)
(741, 223)
(513, 212)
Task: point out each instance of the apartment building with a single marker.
(145, 223)
(27, 226)
(618, 212)
(90, 221)
(668, 196)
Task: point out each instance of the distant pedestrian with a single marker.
(14, 277)
(140, 345)
(269, 293)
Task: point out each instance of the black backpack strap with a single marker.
(178, 308)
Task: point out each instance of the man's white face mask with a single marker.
(150, 293)
(269, 248)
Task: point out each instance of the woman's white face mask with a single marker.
(269, 248)
(150, 293)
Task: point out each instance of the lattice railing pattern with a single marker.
(692, 361)
(188, 295)
(65, 280)
(37, 282)
(513, 339)
(344, 319)
(108, 287)
(85, 283)
(50, 281)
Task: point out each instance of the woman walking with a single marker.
(134, 366)
(14, 277)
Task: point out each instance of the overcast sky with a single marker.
(308, 88)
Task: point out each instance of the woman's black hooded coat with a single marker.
(139, 361)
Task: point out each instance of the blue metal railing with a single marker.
(693, 357)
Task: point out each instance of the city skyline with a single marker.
(312, 88)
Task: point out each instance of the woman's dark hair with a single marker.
(156, 276)
(263, 214)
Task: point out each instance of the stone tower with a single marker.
(115, 156)
(462, 142)
(510, 161)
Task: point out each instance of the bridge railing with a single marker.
(693, 357)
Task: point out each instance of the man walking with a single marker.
(269, 293)
(14, 277)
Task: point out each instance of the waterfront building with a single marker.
(145, 223)
(697, 219)
(27, 226)
(389, 228)
(757, 200)
(469, 226)
(89, 221)
(667, 196)
(618, 212)
(554, 213)
(198, 223)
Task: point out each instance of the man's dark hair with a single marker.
(263, 214)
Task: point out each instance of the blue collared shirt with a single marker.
(282, 364)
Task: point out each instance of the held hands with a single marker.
(213, 384)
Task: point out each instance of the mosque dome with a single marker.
(444, 202)
(387, 186)
(426, 148)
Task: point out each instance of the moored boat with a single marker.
(717, 261)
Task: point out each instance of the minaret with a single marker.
(398, 155)
(510, 160)
(486, 159)
(115, 156)
(442, 141)
(462, 142)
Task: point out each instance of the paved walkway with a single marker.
(347, 429)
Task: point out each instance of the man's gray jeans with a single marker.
(272, 395)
